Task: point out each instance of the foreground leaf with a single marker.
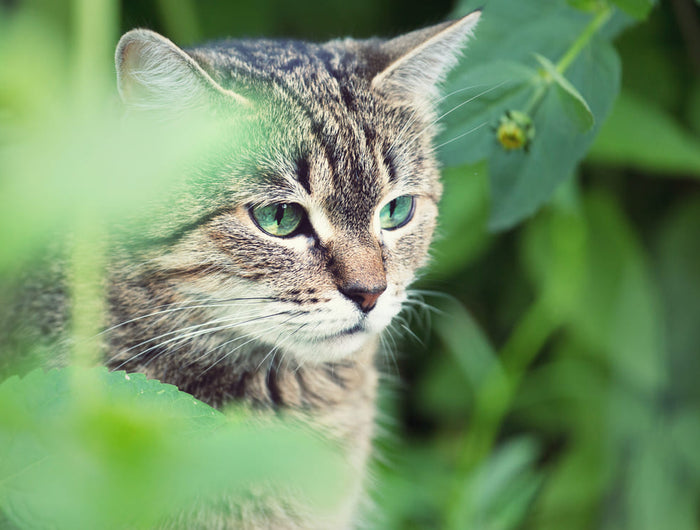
(92, 449)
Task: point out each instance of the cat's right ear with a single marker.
(153, 73)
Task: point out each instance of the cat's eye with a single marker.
(397, 213)
(279, 219)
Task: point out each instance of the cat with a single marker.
(274, 289)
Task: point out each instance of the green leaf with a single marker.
(677, 252)
(495, 77)
(413, 487)
(475, 101)
(574, 486)
(585, 5)
(554, 251)
(641, 135)
(462, 235)
(603, 287)
(655, 495)
(638, 9)
(93, 449)
(619, 312)
(500, 492)
(464, 339)
(574, 104)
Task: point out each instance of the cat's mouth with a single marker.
(357, 329)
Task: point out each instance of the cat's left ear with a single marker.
(419, 60)
(155, 74)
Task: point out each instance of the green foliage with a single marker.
(645, 137)
(91, 449)
(499, 74)
(565, 397)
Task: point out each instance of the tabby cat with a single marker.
(276, 289)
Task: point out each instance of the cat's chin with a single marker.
(342, 343)
(330, 348)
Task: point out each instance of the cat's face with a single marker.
(323, 221)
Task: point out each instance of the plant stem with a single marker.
(95, 26)
(583, 39)
(494, 398)
(569, 57)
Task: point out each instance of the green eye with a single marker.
(397, 213)
(280, 219)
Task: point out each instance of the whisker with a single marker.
(402, 132)
(194, 334)
(228, 354)
(218, 303)
(474, 129)
(448, 112)
(188, 328)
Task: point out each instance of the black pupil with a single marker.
(392, 208)
(280, 213)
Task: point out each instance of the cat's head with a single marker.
(321, 217)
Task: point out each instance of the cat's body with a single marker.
(232, 306)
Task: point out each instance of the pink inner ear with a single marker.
(130, 61)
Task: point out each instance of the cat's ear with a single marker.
(419, 60)
(153, 73)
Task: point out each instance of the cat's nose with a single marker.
(365, 298)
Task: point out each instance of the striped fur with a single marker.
(231, 314)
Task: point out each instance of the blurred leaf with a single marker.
(653, 50)
(677, 246)
(497, 70)
(642, 136)
(93, 449)
(693, 112)
(99, 166)
(616, 312)
(685, 435)
(639, 9)
(567, 394)
(619, 313)
(501, 491)
(585, 5)
(554, 251)
(575, 485)
(572, 101)
(461, 235)
(656, 496)
(180, 18)
(442, 393)
(34, 66)
(412, 488)
(464, 339)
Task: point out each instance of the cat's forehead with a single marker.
(344, 144)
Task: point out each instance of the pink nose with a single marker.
(365, 298)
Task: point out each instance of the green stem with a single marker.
(494, 398)
(531, 108)
(569, 57)
(95, 23)
(584, 38)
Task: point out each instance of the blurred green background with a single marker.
(555, 384)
